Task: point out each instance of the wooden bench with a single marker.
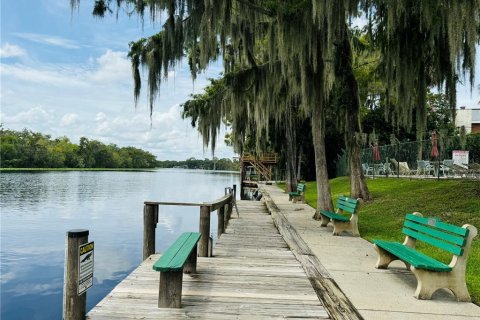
(431, 274)
(180, 258)
(340, 222)
(299, 194)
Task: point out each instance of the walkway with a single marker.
(253, 275)
(349, 261)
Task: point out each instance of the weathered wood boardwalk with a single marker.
(253, 275)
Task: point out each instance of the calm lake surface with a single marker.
(38, 208)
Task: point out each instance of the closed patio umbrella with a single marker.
(376, 152)
(376, 156)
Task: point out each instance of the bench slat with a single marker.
(345, 208)
(334, 216)
(433, 241)
(174, 258)
(438, 224)
(349, 202)
(460, 241)
(411, 256)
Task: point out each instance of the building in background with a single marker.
(469, 118)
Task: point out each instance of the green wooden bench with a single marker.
(299, 194)
(180, 258)
(339, 221)
(431, 274)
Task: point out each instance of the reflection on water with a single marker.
(38, 208)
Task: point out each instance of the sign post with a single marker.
(78, 266)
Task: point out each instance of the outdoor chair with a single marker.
(366, 169)
(447, 167)
(387, 168)
(424, 167)
(404, 169)
(395, 165)
(378, 169)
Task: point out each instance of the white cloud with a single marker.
(69, 119)
(6, 277)
(10, 50)
(48, 40)
(113, 66)
(46, 74)
(100, 117)
(94, 99)
(32, 116)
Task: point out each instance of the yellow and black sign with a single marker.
(85, 267)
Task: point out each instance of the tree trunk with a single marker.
(299, 163)
(324, 201)
(291, 148)
(358, 187)
(350, 101)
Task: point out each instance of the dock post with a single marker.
(221, 221)
(150, 219)
(235, 192)
(204, 230)
(74, 305)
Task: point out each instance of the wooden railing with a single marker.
(262, 170)
(265, 158)
(223, 206)
(261, 163)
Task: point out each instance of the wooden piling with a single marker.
(204, 230)
(150, 219)
(74, 305)
(221, 221)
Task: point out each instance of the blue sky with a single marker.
(67, 74)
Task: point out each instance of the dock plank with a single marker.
(252, 275)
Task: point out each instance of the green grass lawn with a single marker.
(453, 201)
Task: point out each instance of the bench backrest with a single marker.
(300, 187)
(442, 235)
(347, 204)
(177, 254)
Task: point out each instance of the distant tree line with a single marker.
(27, 149)
(206, 164)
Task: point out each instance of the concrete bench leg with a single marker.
(170, 290)
(340, 226)
(324, 220)
(351, 226)
(430, 281)
(384, 258)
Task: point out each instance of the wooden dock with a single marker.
(252, 275)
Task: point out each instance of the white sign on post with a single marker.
(85, 267)
(460, 158)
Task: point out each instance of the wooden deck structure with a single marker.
(252, 275)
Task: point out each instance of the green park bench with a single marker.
(299, 194)
(339, 221)
(431, 274)
(180, 258)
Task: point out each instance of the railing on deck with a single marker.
(223, 206)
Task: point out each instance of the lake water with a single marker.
(38, 208)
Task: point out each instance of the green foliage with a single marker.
(453, 201)
(223, 164)
(27, 149)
